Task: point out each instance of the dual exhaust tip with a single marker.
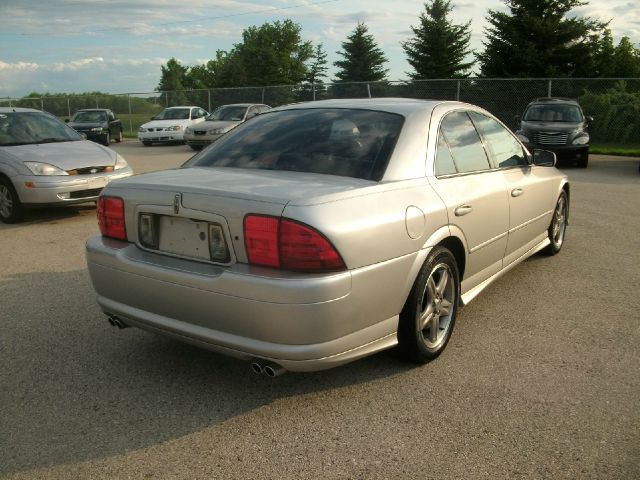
(269, 369)
(258, 367)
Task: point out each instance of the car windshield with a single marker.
(25, 128)
(345, 142)
(89, 117)
(228, 113)
(553, 113)
(173, 114)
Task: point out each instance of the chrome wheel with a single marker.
(559, 223)
(437, 306)
(6, 201)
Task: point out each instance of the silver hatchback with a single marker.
(319, 233)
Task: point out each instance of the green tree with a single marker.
(537, 38)
(626, 60)
(439, 47)
(362, 60)
(316, 73)
(272, 54)
(172, 80)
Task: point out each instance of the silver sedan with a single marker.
(319, 233)
(43, 162)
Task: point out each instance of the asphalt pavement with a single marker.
(540, 379)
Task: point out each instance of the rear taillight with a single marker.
(111, 217)
(287, 244)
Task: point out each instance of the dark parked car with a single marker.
(98, 124)
(556, 124)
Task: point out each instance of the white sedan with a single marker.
(169, 125)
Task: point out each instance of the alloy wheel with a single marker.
(437, 306)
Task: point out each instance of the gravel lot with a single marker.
(540, 379)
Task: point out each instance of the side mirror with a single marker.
(544, 158)
(66, 120)
(589, 119)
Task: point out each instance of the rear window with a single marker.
(344, 142)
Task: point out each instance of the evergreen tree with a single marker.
(318, 68)
(537, 38)
(362, 60)
(439, 47)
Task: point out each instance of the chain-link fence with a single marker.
(614, 103)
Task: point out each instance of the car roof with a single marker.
(401, 106)
(93, 109)
(183, 106)
(556, 100)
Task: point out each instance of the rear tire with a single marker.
(107, 139)
(146, 144)
(429, 314)
(10, 206)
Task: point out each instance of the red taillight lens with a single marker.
(303, 248)
(111, 217)
(287, 244)
(261, 240)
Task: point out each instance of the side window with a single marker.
(506, 150)
(463, 139)
(112, 117)
(444, 161)
(253, 111)
(202, 113)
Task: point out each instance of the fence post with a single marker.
(130, 113)
(10, 106)
(458, 92)
(69, 106)
(262, 95)
(549, 89)
(166, 99)
(209, 97)
(313, 89)
(369, 90)
(42, 104)
(97, 102)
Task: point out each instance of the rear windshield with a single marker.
(553, 113)
(344, 142)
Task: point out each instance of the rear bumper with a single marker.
(303, 322)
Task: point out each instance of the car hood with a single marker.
(166, 123)
(551, 126)
(64, 155)
(85, 126)
(215, 124)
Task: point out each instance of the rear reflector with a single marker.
(287, 244)
(111, 217)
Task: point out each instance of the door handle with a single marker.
(463, 210)
(516, 192)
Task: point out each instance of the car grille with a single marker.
(550, 138)
(94, 192)
(90, 170)
(199, 132)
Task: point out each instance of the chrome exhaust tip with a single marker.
(116, 322)
(257, 368)
(273, 370)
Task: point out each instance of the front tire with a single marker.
(107, 139)
(558, 226)
(146, 144)
(429, 314)
(196, 147)
(10, 206)
(119, 137)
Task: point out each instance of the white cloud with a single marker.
(19, 66)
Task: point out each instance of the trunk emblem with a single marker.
(176, 203)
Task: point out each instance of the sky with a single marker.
(118, 46)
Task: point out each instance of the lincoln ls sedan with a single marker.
(319, 233)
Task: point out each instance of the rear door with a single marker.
(475, 196)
